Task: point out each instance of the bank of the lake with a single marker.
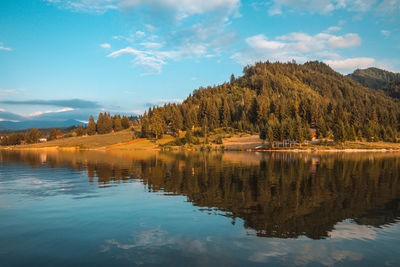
(124, 141)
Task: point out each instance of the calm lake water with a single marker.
(199, 209)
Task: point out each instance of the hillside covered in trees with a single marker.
(378, 79)
(283, 101)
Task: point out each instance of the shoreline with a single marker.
(122, 141)
(199, 148)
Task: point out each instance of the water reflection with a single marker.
(283, 195)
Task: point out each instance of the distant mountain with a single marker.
(378, 79)
(27, 124)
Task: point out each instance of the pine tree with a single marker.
(117, 123)
(91, 128)
(157, 125)
(263, 134)
(32, 136)
(225, 114)
(188, 137)
(53, 134)
(176, 121)
(125, 123)
(145, 126)
(339, 133)
(270, 134)
(79, 131)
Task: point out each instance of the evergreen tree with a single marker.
(91, 128)
(117, 123)
(32, 136)
(339, 133)
(145, 126)
(53, 134)
(270, 134)
(157, 125)
(125, 123)
(188, 137)
(79, 130)
(176, 121)
(263, 134)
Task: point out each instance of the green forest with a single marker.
(283, 101)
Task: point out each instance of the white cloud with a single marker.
(4, 92)
(37, 113)
(385, 33)
(181, 8)
(333, 29)
(105, 46)
(137, 111)
(4, 48)
(379, 7)
(298, 46)
(348, 40)
(318, 6)
(140, 34)
(1, 119)
(149, 59)
(166, 101)
(204, 39)
(351, 63)
(389, 7)
(151, 45)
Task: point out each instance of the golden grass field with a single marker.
(123, 141)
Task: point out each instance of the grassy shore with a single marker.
(123, 141)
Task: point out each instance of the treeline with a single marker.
(283, 101)
(33, 136)
(107, 123)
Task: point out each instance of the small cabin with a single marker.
(42, 139)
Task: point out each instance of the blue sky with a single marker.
(75, 57)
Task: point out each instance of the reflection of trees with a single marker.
(277, 195)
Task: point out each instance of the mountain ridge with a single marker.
(286, 99)
(378, 79)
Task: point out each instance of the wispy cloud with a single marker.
(385, 33)
(105, 46)
(151, 46)
(37, 113)
(68, 103)
(4, 48)
(178, 8)
(379, 7)
(159, 102)
(208, 38)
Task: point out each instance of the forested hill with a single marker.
(378, 79)
(285, 100)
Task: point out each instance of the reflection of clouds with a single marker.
(157, 238)
(296, 252)
(345, 230)
(324, 254)
(150, 237)
(263, 257)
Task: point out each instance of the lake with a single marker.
(114, 208)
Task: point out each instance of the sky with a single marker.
(70, 58)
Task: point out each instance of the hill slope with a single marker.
(378, 79)
(285, 99)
